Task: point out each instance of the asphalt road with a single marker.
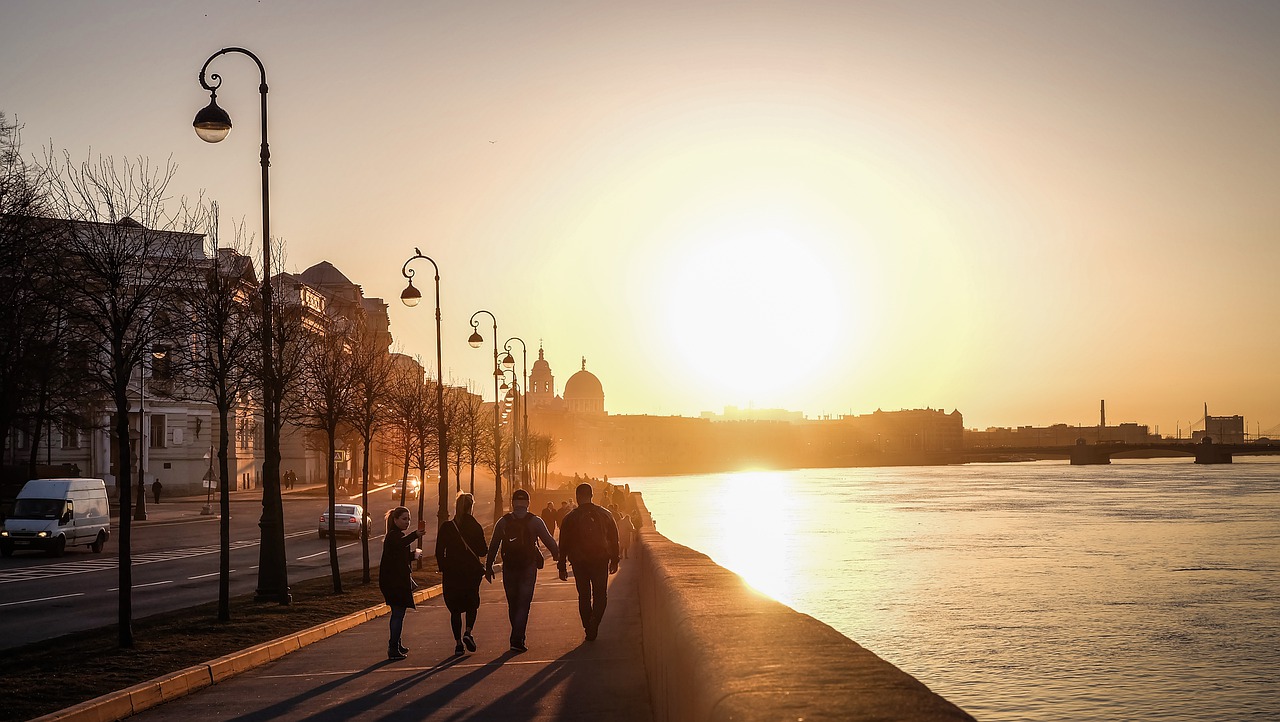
(175, 563)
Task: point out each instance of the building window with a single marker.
(158, 432)
(70, 437)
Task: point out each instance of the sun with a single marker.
(755, 306)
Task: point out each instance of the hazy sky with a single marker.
(1010, 208)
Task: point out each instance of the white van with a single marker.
(53, 514)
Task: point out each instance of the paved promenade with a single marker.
(347, 676)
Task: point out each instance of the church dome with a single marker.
(583, 385)
(583, 392)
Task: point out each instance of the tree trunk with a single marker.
(124, 482)
(364, 503)
(224, 509)
(331, 434)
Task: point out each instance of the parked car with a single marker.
(346, 520)
(53, 514)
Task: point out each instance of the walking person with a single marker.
(459, 546)
(625, 530)
(589, 541)
(517, 534)
(156, 488)
(394, 573)
(548, 516)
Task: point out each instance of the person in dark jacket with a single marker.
(394, 573)
(589, 540)
(517, 534)
(460, 546)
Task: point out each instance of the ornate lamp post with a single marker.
(213, 124)
(475, 340)
(410, 296)
(509, 363)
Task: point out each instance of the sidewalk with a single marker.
(181, 508)
(347, 676)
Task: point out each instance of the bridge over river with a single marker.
(1082, 453)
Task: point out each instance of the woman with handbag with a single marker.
(394, 573)
(460, 545)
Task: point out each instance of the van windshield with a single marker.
(37, 509)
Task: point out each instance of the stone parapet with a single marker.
(717, 650)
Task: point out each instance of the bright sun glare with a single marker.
(753, 308)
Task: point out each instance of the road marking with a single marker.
(326, 551)
(96, 565)
(139, 586)
(210, 574)
(42, 599)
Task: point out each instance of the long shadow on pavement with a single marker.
(279, 709)
(421, 708)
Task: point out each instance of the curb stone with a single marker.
(145, 695)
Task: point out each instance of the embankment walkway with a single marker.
(683, 639)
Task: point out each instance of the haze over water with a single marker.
(1142, 590)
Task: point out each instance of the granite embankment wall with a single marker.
(717, 650)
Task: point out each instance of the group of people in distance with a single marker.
(590, 541)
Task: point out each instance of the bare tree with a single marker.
(293, 330)
(219, 366)
(126, 257)
(372, 369)
(406, 410)
(28, 293)
(469, 430)
(542, 451)
(324, 404)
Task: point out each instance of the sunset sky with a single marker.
(1010, 208)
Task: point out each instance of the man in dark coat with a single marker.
(517, 534)
(394, 574)
(589, 541)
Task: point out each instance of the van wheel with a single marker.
(6, 550)
(98, 543)
(323, 535)
(59, 546)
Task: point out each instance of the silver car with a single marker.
(346, 520)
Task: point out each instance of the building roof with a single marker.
(541, 369)
(583, 385)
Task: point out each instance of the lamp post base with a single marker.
(207, 510)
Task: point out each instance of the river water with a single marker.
(1037, 591)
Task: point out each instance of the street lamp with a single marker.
(140, 504)
(475, 340)
(510, 363)
(213, 124)
(410, 296)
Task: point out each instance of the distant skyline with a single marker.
(1013, 209)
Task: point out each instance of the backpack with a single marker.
(518, 547)
(591, 540)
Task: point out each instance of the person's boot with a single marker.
(403, 649)
(469, 641)
(393, 652)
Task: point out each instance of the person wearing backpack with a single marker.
(589, 541)
(517, 534)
